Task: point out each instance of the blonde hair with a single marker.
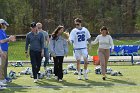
(65, 35)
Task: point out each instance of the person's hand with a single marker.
(12, 38)
(112, 50)
(27, 54)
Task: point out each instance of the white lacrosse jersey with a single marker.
(79, 37)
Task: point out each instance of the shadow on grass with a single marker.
(98, 83)
(14, 88)
(42, 83)
(121, 81)
(88, 84)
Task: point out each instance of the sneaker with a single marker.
(1, 87)
(104, 78)
(3, 81)
(48, 78)
(60, 80)
(55, 77)
(85, 76)
(79, 77)
(35, 80)
(2, 84)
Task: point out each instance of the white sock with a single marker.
(85, 70)
(79, 72)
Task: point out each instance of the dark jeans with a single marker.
(36, 58)
(58, 66)
(46, 55)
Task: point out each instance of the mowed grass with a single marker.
(128, 83)
(17, 49)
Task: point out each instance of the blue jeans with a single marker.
(46, 55)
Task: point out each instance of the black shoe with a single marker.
(104, 78)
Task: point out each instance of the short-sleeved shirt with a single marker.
(79, 37)
(3, 35)
(46, 35)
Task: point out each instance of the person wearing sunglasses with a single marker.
(79, 37)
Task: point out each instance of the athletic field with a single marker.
(128, 83)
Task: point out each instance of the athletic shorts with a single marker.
(78, 53)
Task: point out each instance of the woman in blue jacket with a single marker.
(58, 48)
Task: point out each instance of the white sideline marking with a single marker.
(86, 86)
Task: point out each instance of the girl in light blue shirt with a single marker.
(58, 47)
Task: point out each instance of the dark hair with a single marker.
(104, 28)
(78, 20)
(54, 34)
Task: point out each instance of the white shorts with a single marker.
(78, 53)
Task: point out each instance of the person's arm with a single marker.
(27, 43)
(42, 45)
(95, 41)
(11, 38)
(47, 38)
(72, 37)
(88, 37)
(111, 43)
(65, 47)
(51, 47)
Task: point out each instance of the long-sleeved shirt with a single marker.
(58, 47)
(105, 42)
(36, 41)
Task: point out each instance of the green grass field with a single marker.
(128, 83)
(17, 49)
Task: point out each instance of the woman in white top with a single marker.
(105, 43)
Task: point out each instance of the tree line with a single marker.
(120, 16)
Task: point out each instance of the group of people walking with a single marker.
(39, 45)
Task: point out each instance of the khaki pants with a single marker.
(103, 57)
(0, 69)
(3, 66)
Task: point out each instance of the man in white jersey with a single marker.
(79, 37)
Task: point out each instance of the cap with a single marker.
(2, 21)
(33, 24)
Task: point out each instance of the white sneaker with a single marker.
(55, 77)
(85, 76)
(60, 80)
(35, 80)
(79, 77)
(2, 84)
(3, 81)
(1, 87)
